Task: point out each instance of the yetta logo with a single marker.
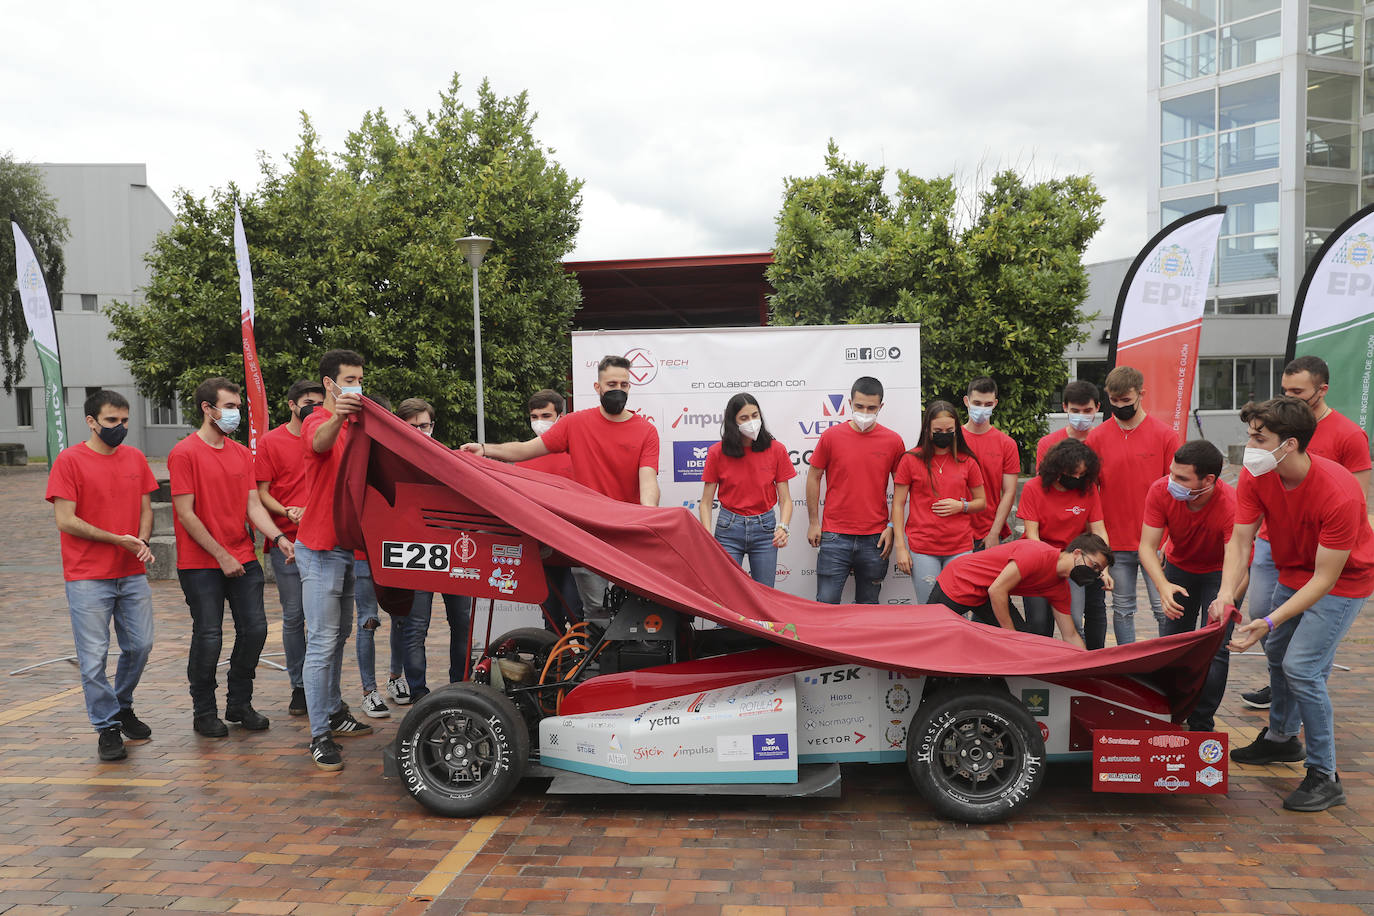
(689, 459)
(834, 411)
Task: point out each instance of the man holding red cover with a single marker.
(99, 491)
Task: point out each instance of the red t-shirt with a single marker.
(606, 454)
(1326, 509)
(748, 485)
(927, 532)
(553, 463)
(1045, 444)
(108, 492)
(281, 461)
(997, 454)
(1340, 439)
(321, 470)
(220, 479)
(1196, 539)
(967, 579)
(1062, 514)
(857, 466)
(1131, 462)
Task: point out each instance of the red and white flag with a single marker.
(252, 374)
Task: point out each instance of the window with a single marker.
(1262, 304)
(88, 302)
(1328, 205)
(1227, 384)
(1249, 243)
(1193, 46)
(1170, 210)
(1331, 33)
(1330, 119)
(1227, 132)
(1250, 42)
(164, 412)
(1367, 166)
(1090, 370)
(23, 408)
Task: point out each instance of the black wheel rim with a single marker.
(978, 756)
(458, 750)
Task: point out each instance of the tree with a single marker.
(357, 251)
(995, 281)
(23, 197)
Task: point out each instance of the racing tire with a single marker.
(975, 754)
(462, 749)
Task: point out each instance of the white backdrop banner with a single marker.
(801, 377)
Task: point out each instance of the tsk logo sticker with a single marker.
(770, 747)
(689, 459)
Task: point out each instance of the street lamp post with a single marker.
(474, 249)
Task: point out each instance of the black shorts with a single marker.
(981, 613)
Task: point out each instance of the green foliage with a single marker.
(996, 282)
(23, 197)
(357, 251)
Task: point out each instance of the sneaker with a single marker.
(111, 747)
(399, 690)
(374, 706)
(132, 727)
(210, 726)
(247, 717)
(1263, 750)
(1317, 792)
(325, 753)
(297, 707)
(343, 725)
(1257, 699)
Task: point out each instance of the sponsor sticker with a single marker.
(1168, 741)
(1118, 777)
(770, 747)
(1037, 701)
(1209, 751)
(1171, 782)
(1208, 776)
(898, 698)
(689, 459)
(734, 748)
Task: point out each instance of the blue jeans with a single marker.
(752, 536)
(1301, 651)
(1202, 589)
(841, 554)
(458, 610)
(924, 568)
(409, 633)
(1124, 570)
(1264, 578)
(365, 597)
(93, 604)
(206, 590)
(327, 592)
(288, 576)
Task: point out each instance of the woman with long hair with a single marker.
(749, 469)
(944, 485)
(1056, 507)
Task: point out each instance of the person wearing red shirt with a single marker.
(1081, 405)
(855, 460)
(563, 607)
(99, 490)
(1136, 450)
(214, 496)
(945, 488)
(327, 570)
(1337, 438)
(613, 451)
(1196, 509)
(998, 458)
(1056, 507)
(981, 584)
(283, 488)
(750, 469)
(1324, 550)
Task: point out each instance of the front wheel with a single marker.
(462, 749)
(975, 754)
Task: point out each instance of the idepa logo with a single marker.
(1173, 261)
(1357, 250)
(689, 460)
(834, 411)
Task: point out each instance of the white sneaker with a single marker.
(399, 690)
(374, 707)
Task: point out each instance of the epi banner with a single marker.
(255, 391)
(33, 296)
(1333, 316)
(801, 376)
(1158, 320)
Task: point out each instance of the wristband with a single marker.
(1270, 622)
(965, 509)
(785, 529)
(889, 524)
(278, 538)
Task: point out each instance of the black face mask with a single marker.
(305, 410)
(1084, 575)
(112, 435)
(942, 440)
(613, 401)
(1124, 412)
(1072, 483)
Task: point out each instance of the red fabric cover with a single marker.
(108, 492)
(857, 467)
(748, 485)
(666, 555)
(927, 532)
(1197, 540)
(220, 479)
(997, 456)
(1062, 514)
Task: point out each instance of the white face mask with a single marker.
(865, 421)
(1259, 461)
(751, 428)
(1080, 421)
(541, 426)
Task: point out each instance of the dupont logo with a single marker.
(689, 459)
(871, 354)
(1168, 741)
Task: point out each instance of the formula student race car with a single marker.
(769, 702)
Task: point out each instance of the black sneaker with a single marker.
(1257, 699)
(343, 725)
(210, 726)
(1262, 750)
(326, 754)
(111, 746)
(133, 727)
(246, 717)
(297, 707)
(1317, 792)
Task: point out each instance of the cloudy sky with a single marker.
(682, 120)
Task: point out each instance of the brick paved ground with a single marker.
(248, 825)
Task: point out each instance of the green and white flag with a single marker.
(33, 294)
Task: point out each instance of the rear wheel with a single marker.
(975, 754)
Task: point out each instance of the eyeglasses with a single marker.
(1093, 565)
(423, 427)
